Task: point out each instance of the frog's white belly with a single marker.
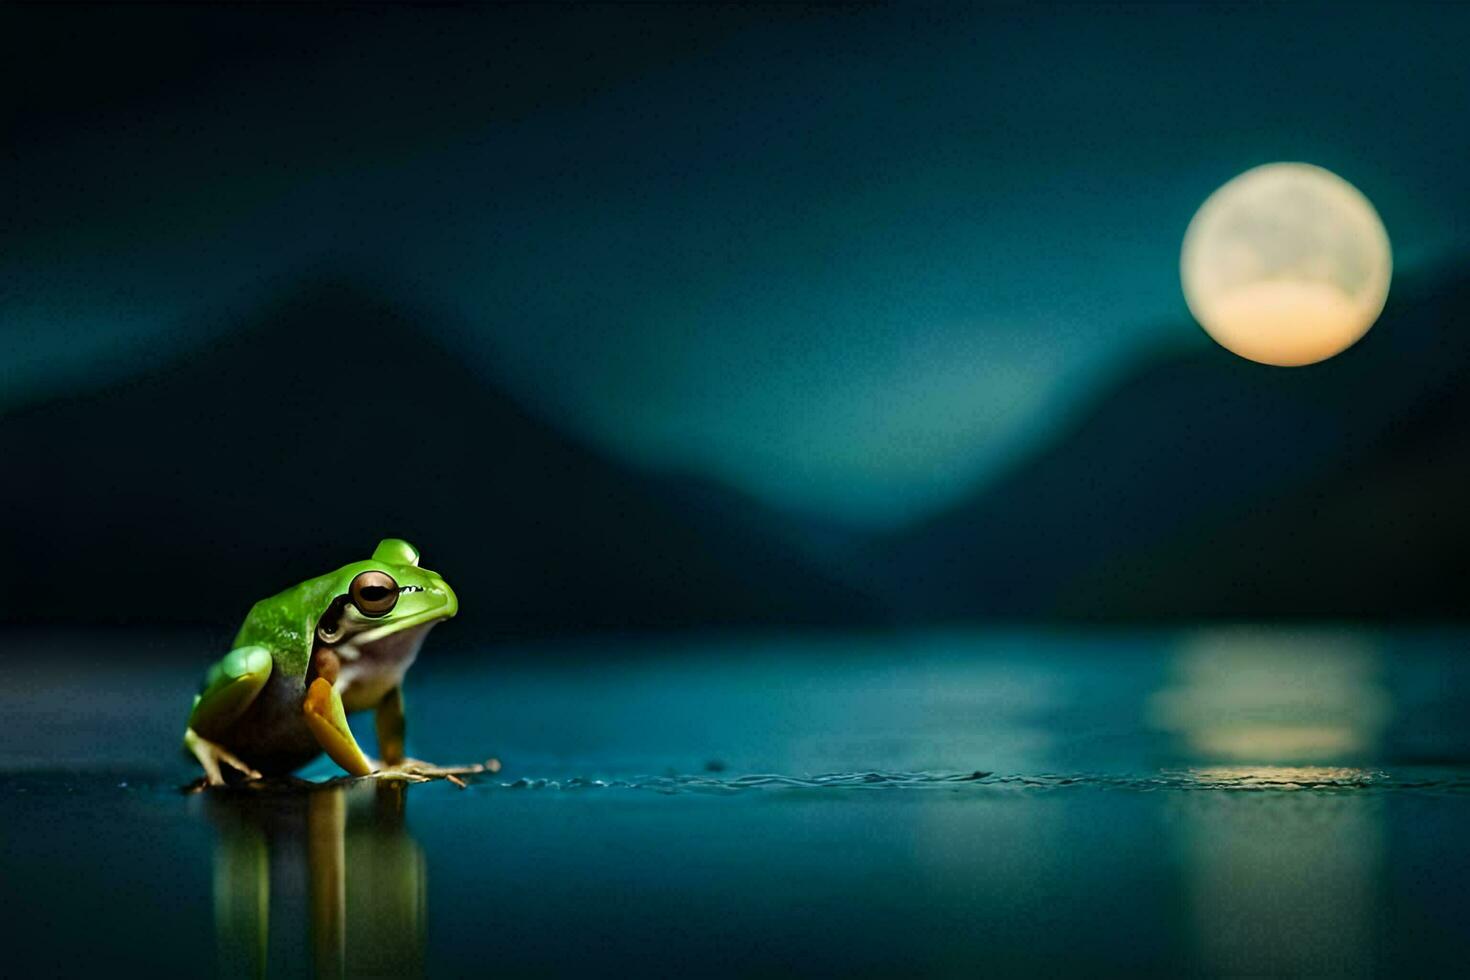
(372, 670)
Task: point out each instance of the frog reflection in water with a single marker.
(304, 658)
(336, 856)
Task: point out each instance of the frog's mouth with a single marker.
(370, 633)
(343, 622)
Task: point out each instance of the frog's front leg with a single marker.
(390, 725)
(396, 764)
(327, 720)
(389, 720)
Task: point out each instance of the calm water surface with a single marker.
(1217, 801)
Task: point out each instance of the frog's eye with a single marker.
(373, 593)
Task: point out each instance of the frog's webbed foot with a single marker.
(399, 773)
(210, 755)
(418, 771)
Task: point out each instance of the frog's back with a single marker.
(285, 623)
(279, 625)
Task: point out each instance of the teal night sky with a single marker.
(853, 261)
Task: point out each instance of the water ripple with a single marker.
(1257, 779)
(715, 784)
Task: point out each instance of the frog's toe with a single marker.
(210, 755)
(419, 771)
(234, 763)
(398, 774)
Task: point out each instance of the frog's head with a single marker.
(382, 607)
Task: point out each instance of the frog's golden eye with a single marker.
(373, 593)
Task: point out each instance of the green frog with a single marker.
(304, 658)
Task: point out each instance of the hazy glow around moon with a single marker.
(1287, 264)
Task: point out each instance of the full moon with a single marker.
(1287, 264)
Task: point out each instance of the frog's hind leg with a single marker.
(230, 687)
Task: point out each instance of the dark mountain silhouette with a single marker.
(1203, 485)
(1198, 486)
(335, 419)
